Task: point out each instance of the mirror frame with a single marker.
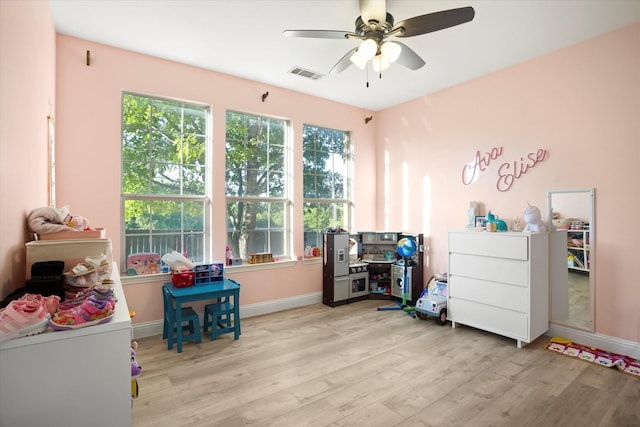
(592, 257)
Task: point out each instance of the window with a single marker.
(164, 177)
(327, 183)
(256, 185)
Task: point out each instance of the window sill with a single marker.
(262, 266)
(166, 277)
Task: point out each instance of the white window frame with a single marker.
(346, 201)
(283, 199)
(204, 198)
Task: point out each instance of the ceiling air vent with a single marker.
(306, 73)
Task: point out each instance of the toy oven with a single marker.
(359, 284)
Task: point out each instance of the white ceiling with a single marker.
(244, 38)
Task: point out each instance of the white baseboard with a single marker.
(148, 329)
(592, 339)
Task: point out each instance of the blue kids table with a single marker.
(202, 292)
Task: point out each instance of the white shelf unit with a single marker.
(578, 248)
(70, 378)
(499, 282)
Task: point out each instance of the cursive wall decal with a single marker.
(508, 172)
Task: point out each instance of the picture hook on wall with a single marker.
(264, 95)
(88, 58)
(367, 120)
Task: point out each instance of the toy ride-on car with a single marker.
(433, 300)
(432, 305)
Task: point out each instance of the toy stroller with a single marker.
(433, 300)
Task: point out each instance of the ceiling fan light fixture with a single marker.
(368, 49)
(375, 25)
(358, 60)
(391, 51)
(380, 63)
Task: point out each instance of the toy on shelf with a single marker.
(77, 222)
(495, 224)
(533, 218)
(143, 263)
(472, 212)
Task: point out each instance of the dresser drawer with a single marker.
(511, 297)
(493, 319)
(501, 245)
(491, 269)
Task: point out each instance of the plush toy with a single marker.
(77, 222)
(136, 370)
(533, 218)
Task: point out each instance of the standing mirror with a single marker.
(572, 257)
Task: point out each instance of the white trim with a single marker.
(280, 304)
(592, 339)
(148, 329)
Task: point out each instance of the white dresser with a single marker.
(499, 282)
(70, 378)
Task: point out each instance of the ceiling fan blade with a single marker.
(408, 58)
(318, 34)
(434, 21)
(373, 10)
(344, 62)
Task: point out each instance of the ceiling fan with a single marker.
(375, 26)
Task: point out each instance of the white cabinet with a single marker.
(499, 282)
(70, 378)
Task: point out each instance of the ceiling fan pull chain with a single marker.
(367, 76)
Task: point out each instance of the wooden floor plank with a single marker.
(354, 365)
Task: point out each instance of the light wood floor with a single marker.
(579, 307)
(356, 366)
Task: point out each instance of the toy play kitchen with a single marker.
(344, 279)
(366, 265)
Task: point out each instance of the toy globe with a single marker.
(406, 247)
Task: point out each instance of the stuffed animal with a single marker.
(533, 218)
(77, 222)
(136, 370)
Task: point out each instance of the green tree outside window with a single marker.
(327, 182)
(256, 185)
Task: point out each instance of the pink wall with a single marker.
(27, 96)
(89, 107)
(580, 104)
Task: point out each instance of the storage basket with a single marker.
(183, 279)
(207, 273)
